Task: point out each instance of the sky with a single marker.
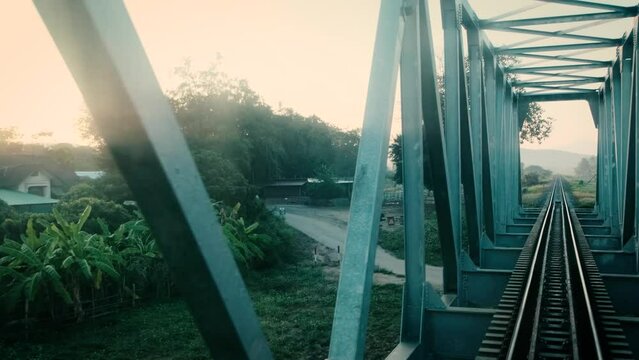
(311, 56)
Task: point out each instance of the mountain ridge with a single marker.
(558, 161)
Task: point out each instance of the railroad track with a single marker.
(555, 305)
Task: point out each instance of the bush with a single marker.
(531, 179)
(113, 214)
(325, 189)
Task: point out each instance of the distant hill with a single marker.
(557, 161)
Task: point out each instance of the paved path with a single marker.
(328, 227)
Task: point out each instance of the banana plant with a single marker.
(31, 268)
(86, 258)
(245, 242)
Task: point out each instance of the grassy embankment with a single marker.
(294, 302)
(535, 195)
(584, 194)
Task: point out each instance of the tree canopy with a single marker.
(239, 142)
(587, 168)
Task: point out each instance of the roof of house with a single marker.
(90, 174)
(19, 198)
(15, 168)
(288, 183)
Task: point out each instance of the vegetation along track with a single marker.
(555, 305)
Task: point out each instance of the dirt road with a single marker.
(328, 227)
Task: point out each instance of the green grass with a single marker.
(534, 195)
(393, 241)
(294, 302)
(583, 194)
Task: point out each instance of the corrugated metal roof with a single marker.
(19, 198)
(288, 183)
(90, 174)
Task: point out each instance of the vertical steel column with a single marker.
(627, 140)
(413, 176)
(354, 290)
(436, 144)
(617, 143)
(106, 58)
(498, 130)
(475, 128)
(635, 135)
(452, 119)
(613, 198)
(488, 101)
(467, 142)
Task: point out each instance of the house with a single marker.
(32, 183)
(285, 189)
(294, 190)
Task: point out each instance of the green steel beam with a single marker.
(594, 5)
(488, 117)
(562, 88)
(524, 70)
(561, 34)
(522, 50)
(437, 151)
(452, 122)
(102, 50)
(348, 334)
(413, 179)
(475, 96)
(583, 95)
(566, 58)
(609, 15)
(564, 75)
(559, 82)
(628, 118)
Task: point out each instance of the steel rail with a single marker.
(529, 282)
(582, 278)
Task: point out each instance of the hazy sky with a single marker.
(312, 56)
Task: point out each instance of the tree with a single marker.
(536, 169)
(587, 168)
(396, 158)
(536, 125)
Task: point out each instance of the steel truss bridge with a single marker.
(518, 260)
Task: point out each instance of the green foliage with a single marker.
(247, 244)
(225, 116)
(393, 241)
(531, 179)
(325, 187)
(222, 179)
(58, 261)
(396, 158)
(587, 168)
(536, 169)
(294, 302)
(537, 126)
(113, 214)
(111, 187)
(534, 175)
(583, 194)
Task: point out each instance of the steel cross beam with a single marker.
(559, 82)
(522, 50)
(106, 58)
(561, 34)
(565, 58)
(589, 4)
(617, 14)
(530, 69)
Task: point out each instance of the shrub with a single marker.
(113, 214)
